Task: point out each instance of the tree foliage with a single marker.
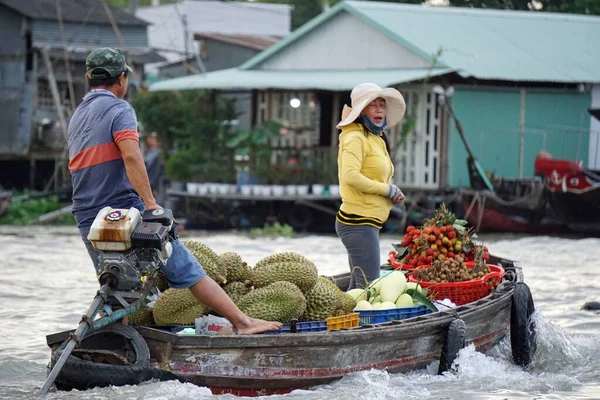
(140, 3)
(305, 10)
(564, 6)
(195, 125)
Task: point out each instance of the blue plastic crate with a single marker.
(171, 328)
(369, 317)
(301, 327)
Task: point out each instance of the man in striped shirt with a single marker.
(107, 169)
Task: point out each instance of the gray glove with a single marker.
(394, 191)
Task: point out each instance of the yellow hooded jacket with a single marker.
(364, 171)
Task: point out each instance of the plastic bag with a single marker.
(212, 325)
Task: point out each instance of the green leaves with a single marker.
(275, 229)
(196, 124)
(400, 250)
(24, 211)
(254, 139)
(422, 298)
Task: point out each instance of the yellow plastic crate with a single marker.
(345, 321)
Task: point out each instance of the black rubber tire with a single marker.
(82, 375)
(522, 329)
(454, 341)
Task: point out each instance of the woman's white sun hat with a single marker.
(365, 93)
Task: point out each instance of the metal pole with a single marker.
(55, 93)
(76, 337)
(522, 133)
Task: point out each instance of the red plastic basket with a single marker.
(397, 264)
(462, 292)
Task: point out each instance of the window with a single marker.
(45, 101)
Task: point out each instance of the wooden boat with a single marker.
(504, 205)
(514, 205)
(252, 365)
(566, 199)
(573, 192)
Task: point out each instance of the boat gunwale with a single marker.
(410, 327)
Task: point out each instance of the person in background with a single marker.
(107, 169)
(155, 167)
(365, 170)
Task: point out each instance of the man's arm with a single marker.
(136, 171)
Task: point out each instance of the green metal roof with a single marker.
(234, 78)
(485, 44)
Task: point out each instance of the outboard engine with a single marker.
(131, 245)
(132, 248)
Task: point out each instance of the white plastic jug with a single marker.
(112, 228)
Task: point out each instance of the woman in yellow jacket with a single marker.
(365, 171)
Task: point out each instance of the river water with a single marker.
(47, 282)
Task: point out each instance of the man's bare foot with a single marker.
(252, 325)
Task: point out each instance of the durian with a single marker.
(279, 301)
(339, 294)
(236, 269)
(282, 257)
(208, 259)
(321, 302)
(161, 281)
(177, 307)
(141, 317)
(348, 304)
(236, 290)
(289, 267)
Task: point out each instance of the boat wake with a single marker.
(562, 363)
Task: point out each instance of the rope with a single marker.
(477, 199)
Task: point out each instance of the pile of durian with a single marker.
(280, 287)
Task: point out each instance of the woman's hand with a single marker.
(395, 194)
(398, 199)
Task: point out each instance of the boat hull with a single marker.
(491, 214)
(254, 365)
(268, 365)
(580, 211)
(573, 192)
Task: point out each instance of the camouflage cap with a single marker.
(105, 60)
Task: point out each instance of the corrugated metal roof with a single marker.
(235, 78)
(485, 44)
(91, 11)
(137, 57)
(492, 44)
(257, 42)
(167, 34)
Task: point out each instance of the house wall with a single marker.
(344, 42)
(14, 134)
(594, 150)
(491, 119)
(219, 56)
(178, 69)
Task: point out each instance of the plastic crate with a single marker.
(345, 321)
(171, 328)
(300, 327)
(462, 292)
(369, 317)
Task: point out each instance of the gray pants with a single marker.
(362, 245)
